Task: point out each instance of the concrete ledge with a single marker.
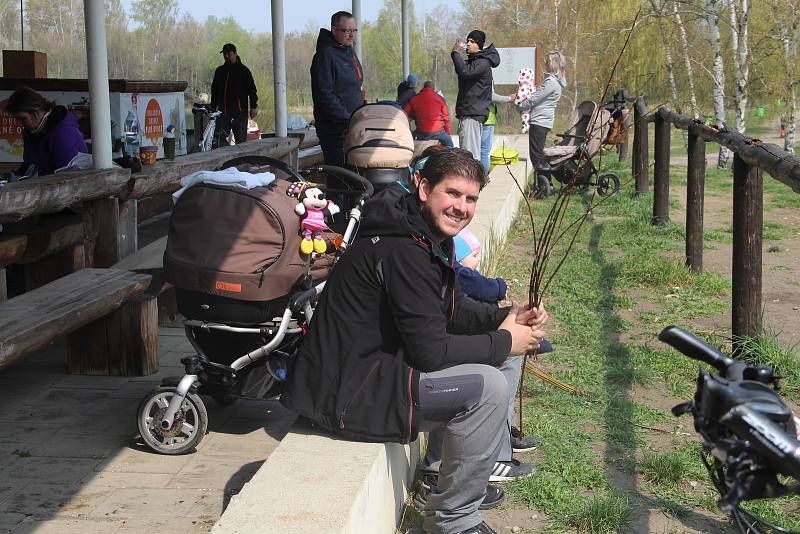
(315, 482)
(500, 199)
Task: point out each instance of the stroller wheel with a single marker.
(189, 427)
(542, 187)
(607, 184)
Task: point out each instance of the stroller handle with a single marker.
(353, 179)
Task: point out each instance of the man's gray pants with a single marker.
(467, 407)
(511, 370)
(469, 136)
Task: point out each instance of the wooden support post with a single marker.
(3, 287)
(114, 225)
(695, 185)
(123, 343)
(128, 227)
(640, 150)
(661, 173)
(748, 216)
(52, 267)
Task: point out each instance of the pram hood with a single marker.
(588, 114)
(234, 242)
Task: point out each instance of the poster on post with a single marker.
(512, 60)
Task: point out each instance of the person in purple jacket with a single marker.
(51, 136)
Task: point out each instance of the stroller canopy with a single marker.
(591, 127)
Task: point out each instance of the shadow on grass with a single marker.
(618, 416)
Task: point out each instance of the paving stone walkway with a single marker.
(71, 459)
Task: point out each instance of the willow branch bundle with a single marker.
(551, 232)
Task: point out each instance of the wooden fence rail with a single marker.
(751, 157)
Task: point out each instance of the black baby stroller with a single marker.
(570, 159)
(246, 292)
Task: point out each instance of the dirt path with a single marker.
(780, 267)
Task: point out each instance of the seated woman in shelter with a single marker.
(51, 136)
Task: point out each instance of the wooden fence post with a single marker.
(748, 216)
(695, 184)
(640, 152)
(661, 172)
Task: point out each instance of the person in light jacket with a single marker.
(542, 105)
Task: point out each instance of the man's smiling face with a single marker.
(448, 206)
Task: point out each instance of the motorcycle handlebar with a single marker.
(696, 349)
(768, 438)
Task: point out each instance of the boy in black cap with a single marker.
(233, 85)
(474, 89)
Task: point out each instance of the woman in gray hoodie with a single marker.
(542, 105)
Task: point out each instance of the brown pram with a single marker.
(571, 159)
(246, 292)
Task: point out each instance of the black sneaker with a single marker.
(522, 443)
(483, 528)
(505, 471)
(495, 496)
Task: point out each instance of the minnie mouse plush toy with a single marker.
(313, 209)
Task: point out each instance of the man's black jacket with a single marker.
(389, 311)
(475, 83)
(336, 80)
(232, 86)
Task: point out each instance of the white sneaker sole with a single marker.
(502, 473)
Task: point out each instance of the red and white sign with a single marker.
(153, 122)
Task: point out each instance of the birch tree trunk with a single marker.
(740, 15)
(791, 128)
(575, 57)
(659, 10)
(687, 60)
(789, 26)
(718, 90)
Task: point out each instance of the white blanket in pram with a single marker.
(230, 176)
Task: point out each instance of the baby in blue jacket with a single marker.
(472, 283)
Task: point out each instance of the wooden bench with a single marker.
(112, 330)
(150, 260)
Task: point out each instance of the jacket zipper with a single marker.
(355, 394)
(410, 404)
(225, 93)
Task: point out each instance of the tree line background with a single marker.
(693, 55)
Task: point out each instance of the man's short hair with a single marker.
(428, 84)
(453, 161)
(337, 17)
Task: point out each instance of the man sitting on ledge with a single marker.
(394, 349)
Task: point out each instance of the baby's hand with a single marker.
(472, 260)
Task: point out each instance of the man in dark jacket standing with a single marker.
(336, 84)
(233, 85)
(474, 89)
(394, 349)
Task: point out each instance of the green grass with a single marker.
(668, 468)
(766, 349)
(602, 513)
(621, 283)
